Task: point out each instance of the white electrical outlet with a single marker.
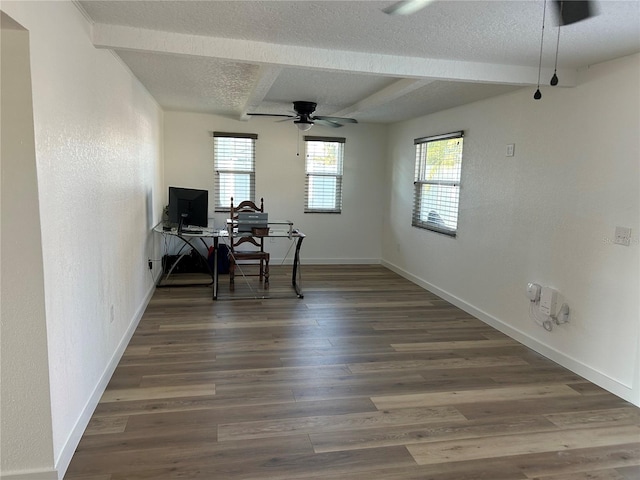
(622, 236)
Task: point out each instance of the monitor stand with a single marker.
(181, 222)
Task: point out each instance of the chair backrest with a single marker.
(246, 206)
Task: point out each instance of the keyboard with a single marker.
(192, 232)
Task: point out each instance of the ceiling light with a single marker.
(303, 125)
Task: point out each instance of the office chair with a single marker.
(254, 243)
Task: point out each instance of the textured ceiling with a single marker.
(236, 57)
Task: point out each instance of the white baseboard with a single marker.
(340, 261)
(623, 391)
(64, 459)
(30, 475)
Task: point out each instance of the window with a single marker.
(234, 160)
(323, 166)
(437, 182)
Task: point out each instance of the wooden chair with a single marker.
(252, 246)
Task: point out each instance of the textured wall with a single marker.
(280, 180)
(25, 412)
(547, 215)
(98, 154)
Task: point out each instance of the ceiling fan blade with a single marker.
(325, 122)
(270, 115)
(336, 119)
(573, 11)
(406, 7)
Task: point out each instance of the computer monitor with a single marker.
(188, 206)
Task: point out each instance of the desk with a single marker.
(215, 235)
(188, 239)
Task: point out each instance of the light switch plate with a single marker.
(623, 236)
(511, 149)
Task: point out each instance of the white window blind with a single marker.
(437, 182)
(323, 166)
(234, 159)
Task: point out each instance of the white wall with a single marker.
(280, 180)
(25, 406)
(98, 156)
(547, 215)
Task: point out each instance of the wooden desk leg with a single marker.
(296, 262)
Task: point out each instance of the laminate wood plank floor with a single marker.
(368, 377)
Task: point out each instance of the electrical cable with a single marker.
(545, 322)
(151, 275)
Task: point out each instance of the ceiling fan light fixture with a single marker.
(303, 125)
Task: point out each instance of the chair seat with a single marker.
(250, 255)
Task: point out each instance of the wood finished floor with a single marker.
(369, 377)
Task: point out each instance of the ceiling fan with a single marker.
(304, 118)
(569, 11)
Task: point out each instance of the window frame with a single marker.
(421, 152)
(310, 176)
(224, 204)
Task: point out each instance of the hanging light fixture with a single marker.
(303, 124)
(538, 94)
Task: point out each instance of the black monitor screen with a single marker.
(188, 206)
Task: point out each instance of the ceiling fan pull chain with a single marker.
(538, 94)
(554, 79)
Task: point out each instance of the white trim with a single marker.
(31, 475)
(339, 261)
(69, 448)
(276, 262)
(589, 373)
(87, 17)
